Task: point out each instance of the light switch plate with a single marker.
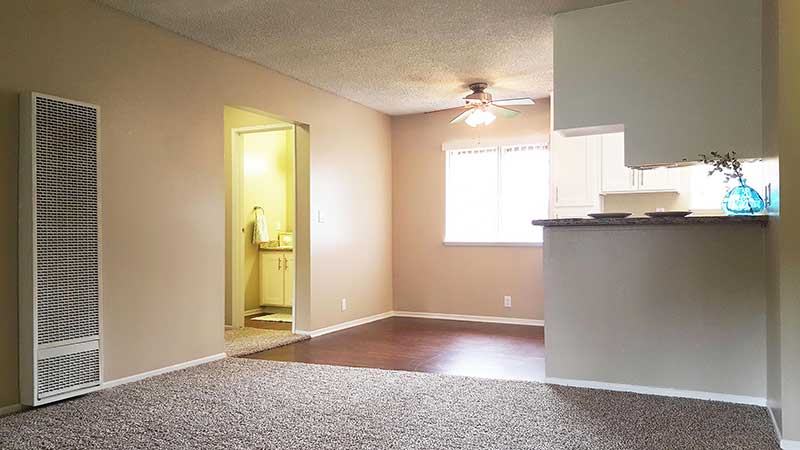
(507, 301)
(344, 304)
(321, 218)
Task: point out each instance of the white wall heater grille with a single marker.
(60, 285)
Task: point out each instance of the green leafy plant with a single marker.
(724, 163)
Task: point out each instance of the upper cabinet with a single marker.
(574, 175)
(679, 77)
(615, 178)
(574, 171)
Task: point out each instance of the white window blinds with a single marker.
(493, 193)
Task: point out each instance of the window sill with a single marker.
(492, 244)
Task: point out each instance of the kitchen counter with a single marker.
(689, 220)
(675, 307)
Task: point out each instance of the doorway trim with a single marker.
(238, 238)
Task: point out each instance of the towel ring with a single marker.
(255, 208)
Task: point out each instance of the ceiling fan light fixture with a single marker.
(480, 108)
(479, 116)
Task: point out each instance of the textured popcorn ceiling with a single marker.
(396, 56)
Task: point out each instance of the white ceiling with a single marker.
(396, 56)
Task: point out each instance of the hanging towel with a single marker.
(260, 233)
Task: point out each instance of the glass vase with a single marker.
(742, 200)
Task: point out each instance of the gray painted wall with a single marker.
(788, 244)
(688, 72)
(678, 307)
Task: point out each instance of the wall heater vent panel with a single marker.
(67, 249)
(60, 278)
(65, 372)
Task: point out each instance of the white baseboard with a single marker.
(786, 444)
(468, 318)
(420, 315)
(346, 325)
(172, 368)
(253, 312)
(11, 409)
(665, 392)
(774, 422)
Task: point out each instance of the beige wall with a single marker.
(431, 277)
(162, 100)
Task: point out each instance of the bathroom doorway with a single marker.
(262, 267)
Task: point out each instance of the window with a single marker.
(708, 190)
(493, 193)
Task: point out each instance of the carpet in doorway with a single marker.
(274, 317)
(238, 404)
(244, 341)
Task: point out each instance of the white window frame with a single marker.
(448, 150)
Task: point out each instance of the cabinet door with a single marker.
(660, 180)
(288, 280)
(615, 177)
(574, 171)
(271, 279)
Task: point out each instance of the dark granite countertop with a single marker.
(689, 220)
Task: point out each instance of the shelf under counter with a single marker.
(276, 249)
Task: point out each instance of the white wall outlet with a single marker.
(321, 218)
(344, 304)
(507, 301)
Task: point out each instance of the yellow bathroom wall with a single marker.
(235, 118)
(267, 176)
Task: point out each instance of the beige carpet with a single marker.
(242, 404)
(244, 341)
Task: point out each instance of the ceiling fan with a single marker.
(482, 110)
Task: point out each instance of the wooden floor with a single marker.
(514, 352)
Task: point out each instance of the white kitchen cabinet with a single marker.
(276, 278)
(659, 180)
(574, 175)
(618, 179)
(614, 176)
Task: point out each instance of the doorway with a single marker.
(262, 246)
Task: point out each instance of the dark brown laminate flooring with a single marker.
(513, 352)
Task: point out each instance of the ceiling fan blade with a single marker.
(515, 102)
(445, 109)
(503, 111)
(462, 116)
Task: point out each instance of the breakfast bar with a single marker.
(657, 303)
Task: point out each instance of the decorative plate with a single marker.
(609, 215)
(667, 213)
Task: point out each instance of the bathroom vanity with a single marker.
(276, 275)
